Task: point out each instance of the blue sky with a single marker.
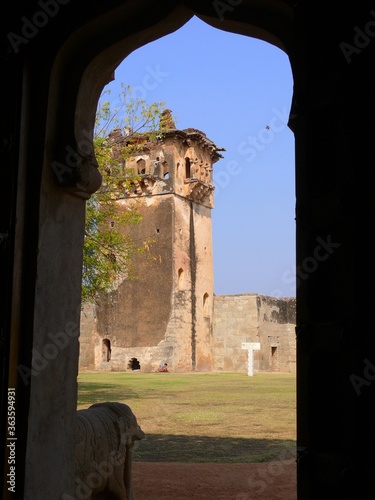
(238, 91)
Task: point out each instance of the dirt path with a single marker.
(177, 481)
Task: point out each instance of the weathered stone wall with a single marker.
(236, 319)
(254, 318)
(137, 312)
(190, 327)
(277, 319)
(88, 338)
(134, 317)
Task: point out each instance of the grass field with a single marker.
(202, 417)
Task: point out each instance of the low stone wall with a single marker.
(254, 318)
(236, 319)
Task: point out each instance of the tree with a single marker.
(108, 250)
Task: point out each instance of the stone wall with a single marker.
(254, 318)
(241, 318)
(88, 338)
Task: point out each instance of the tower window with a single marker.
(187, 168)
(141, 166)
(164, 170)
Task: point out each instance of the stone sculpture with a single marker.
(105, 437)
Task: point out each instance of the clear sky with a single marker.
(238, 91)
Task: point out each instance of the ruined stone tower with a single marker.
(166, 314)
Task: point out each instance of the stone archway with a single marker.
(83, 52)
(69, 176)
(106, 351)
(55, 81)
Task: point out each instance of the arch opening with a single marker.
(198, 170)
(95, 77)
(106, 350)
(134, 364)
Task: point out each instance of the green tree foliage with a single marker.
(108, 249)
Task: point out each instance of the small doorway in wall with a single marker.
(134, 364)
(274, 359)
(106, 350)
(187, 168)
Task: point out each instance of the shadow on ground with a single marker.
(204, 449)
(90, 393)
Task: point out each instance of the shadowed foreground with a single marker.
(273, 480)
(208, 449)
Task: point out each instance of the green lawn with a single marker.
(202, 417)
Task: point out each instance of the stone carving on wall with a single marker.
(105, 437)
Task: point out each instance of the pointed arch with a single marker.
(79, 58)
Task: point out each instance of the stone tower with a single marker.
(166, 314)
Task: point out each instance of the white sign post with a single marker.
(251, 347)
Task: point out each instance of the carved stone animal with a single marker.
(105, 438)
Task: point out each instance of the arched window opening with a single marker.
(165, 170)
(141, 166)
(134, 364)
(187, 168)
(106, 350)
